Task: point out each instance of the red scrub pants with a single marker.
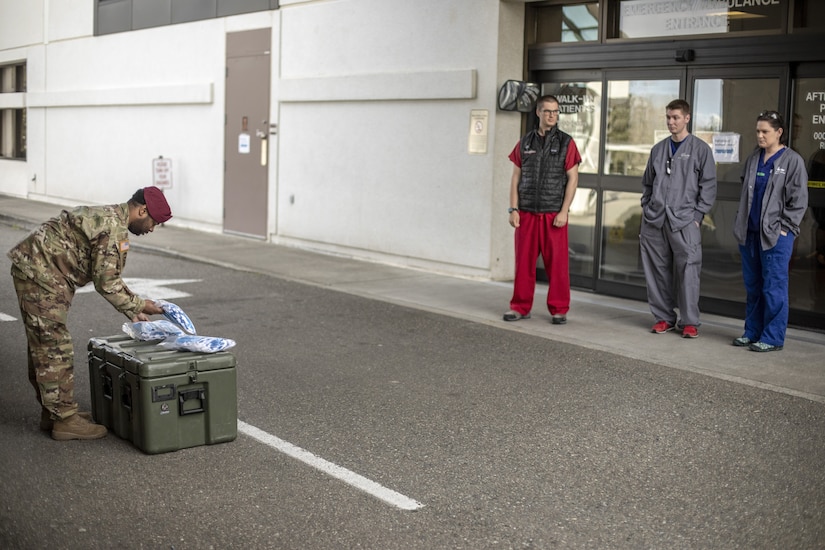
(536, 235)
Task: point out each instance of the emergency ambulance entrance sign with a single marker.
(162, 172)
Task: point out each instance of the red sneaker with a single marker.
(690, 332)
(662, 327)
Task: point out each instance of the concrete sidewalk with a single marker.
(597, 322)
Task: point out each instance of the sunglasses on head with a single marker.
(769, 114)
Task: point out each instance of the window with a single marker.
(113, 16)
(621, 225)
(12, 112)
(809, 14)
(635, 122)
(580, 106)
(570, 23)
(655, 18)
(729, 105)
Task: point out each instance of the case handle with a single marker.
(106, 382)
(186, 395)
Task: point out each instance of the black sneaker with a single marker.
(515, 316)
(742, 341)
(762, 346)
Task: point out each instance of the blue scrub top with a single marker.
(763, 173)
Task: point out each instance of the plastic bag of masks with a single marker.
(177, 316)
(146, 331)
(177, 332)
(203, 344)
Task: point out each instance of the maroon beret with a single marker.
(156, 204)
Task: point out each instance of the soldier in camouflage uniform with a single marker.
(87, 244)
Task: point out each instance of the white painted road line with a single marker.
(4, 317)
(359, 482)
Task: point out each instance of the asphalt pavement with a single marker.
(595, 434)
(598, 322)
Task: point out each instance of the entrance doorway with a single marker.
(246, 151)
(616, 116)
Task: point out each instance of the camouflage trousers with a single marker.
(50, 351)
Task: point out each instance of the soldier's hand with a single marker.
(151, 308)
(140, 317)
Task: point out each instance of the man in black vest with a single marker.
(545, 176)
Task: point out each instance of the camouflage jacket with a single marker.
(87, 244)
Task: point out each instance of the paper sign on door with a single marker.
(243, 143)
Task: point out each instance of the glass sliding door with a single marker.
(580, 115)
(725, 105)
(635, 122)
(807, 283)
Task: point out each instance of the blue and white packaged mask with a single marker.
(152, 330)
(177, 316)
(202, 344)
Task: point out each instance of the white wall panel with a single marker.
(114, 156)
(70, 19)
(387, 177)
(363, 167)
(374, 36)
(21, 23)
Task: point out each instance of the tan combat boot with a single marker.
(77, 427)
(46, 422)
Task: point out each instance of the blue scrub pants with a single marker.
(765, 273)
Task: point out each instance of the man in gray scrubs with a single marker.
(679, 188)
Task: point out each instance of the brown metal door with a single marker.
(246, 151)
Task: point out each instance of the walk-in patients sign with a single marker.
(648, 18)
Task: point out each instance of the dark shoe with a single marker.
(690, 332)
(559, 319)
(76, 427)
(662, 327)
(742, 342)
(515, 316)
(762, 346)
(46, 422)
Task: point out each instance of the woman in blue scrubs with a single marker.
(773, 200)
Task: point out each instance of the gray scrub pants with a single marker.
(672, 262)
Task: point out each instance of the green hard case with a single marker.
(162, 400)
